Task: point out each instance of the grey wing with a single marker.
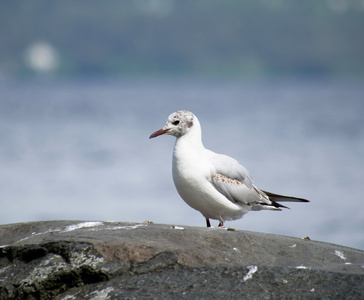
(236, 191)
(231, 168)
(233, 181)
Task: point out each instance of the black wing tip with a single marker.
(295, 199)
(278, 205)
(274, 204)
(282, 198)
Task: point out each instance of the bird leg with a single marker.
(208, 222)
(221, 224)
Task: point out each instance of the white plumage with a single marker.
(215, 184)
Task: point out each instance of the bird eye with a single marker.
(176, 122)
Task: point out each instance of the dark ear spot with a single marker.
(190, 123)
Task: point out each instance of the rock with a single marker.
(108, 260)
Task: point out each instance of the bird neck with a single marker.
(188, 150)
(193, 137)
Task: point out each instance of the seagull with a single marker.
(216, 185)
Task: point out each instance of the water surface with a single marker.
(80, 150)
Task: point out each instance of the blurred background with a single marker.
(278, 85)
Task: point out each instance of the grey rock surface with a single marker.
(109, 260)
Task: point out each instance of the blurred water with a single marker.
(81, 151)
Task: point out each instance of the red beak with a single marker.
(158, 132)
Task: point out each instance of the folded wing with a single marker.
(233, 181)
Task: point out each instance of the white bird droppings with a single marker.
(301, 267)
(249, 275)
(125, 227)
(82, 225)
(340, 254)
(178, 227)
